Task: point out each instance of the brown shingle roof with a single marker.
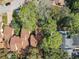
(8, 32)
(33, 41)
(15, 44)
(24, 34)
(2, 45)
(1, 38)
(24, 38)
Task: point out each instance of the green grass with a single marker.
(4, 19)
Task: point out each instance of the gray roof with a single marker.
(76, 40)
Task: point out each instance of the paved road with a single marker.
(14, 5)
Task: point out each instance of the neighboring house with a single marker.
(67, 43)
(76, 41)
(76, 45)
(70, 45)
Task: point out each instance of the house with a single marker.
(17, 43)
(24, 37)
(67, 43)
(70, 44)
(76, 44)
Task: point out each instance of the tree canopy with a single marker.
(27, 16)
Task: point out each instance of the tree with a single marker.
(50, 42)
(33, 53)
(27, 16)
(75, 23)
(43, 8)
(52, 38)
(76, 4)
(16, 23)
(69, 23)
(76, 57)
(65, 23)
(12, 55)
(3, 53)
(73, 5)
(55, 54)
(59, 13)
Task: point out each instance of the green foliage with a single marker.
(33, 53)
(76, 4)
(75, 57)
(12, 56)
(69, 23)
(75, 23)
(55, 12)
(65, 23)
(55, 54)
(17, 26)
(52, 41)
(52, 38)
(58, 13)
(16, 23)
(27, 15)
(47, 25)
(43, 8)
(4, 19)
(3, 54)
(73, 5)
